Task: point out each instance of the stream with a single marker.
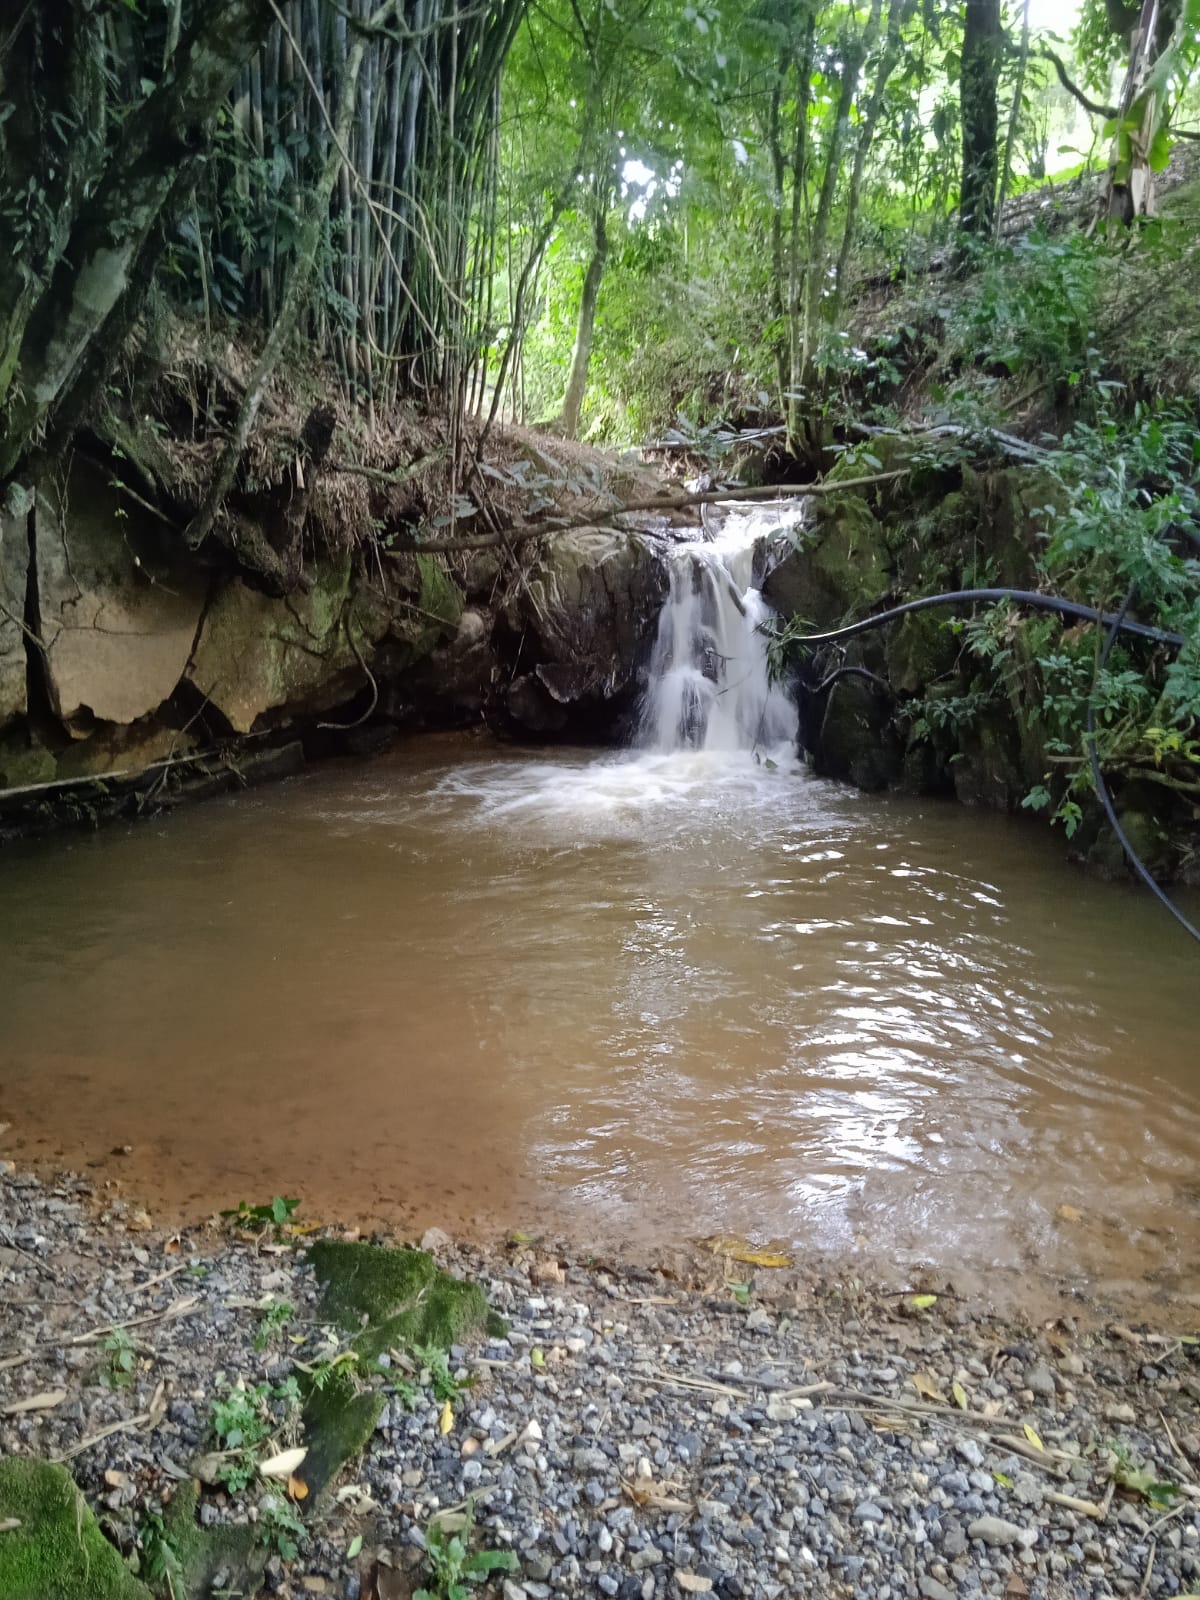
(643, 996)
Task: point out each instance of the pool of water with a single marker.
(646, 996)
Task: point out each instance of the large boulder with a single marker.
(582, 624)
(118, 602)
(14, 569)
(834, 567)
(263, 658)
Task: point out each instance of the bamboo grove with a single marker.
(297, 165)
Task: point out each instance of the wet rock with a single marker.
(258, 656)
(584, 623)
(837, 566)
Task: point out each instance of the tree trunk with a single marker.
(582, 354)
(93, 266)
(1140, 122)
(1014, 120)
(983, 42)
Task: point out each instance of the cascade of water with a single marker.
(710, 687)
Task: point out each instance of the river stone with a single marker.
(14, 568)
(996, 1531)
(118, 607)
(837, 566)
(585, 619)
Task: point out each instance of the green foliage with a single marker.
(159, 1562)
(244, 1418)
(275, 1215)
(435, 1365)
(281, 1525)
(453, 1566)
(120, 1359)
(272, 1321)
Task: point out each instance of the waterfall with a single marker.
(710, 687)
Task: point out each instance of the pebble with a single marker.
(602, 1475)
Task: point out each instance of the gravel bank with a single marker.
(633, 1435)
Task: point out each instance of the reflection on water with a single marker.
(653, 995)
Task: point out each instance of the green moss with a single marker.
(440, 595)
(401, 1296)
(364, 1281)
(236, 1551)
(839, 567)
(339, 1419)
(58, 1552)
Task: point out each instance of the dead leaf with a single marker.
(7, 1524)
(960, 1395)
(751, 1255)
(171, 1247)
(693, 1583)
(1031, 1435)
(446, 1419)
(284, 1464)
(297, 1489)
(36, 1402)
(139, 1222)
(1069, 1214)
(927, 1387)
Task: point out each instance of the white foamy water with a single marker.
(716, 735)
(710, 685)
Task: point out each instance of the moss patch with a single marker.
(58, 1552)
(395, 1297)
(236, 1555)
(338, 1421)
(389, 1299)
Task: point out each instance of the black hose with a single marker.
(1024, 597)
(1115, 622)
(1110, 811)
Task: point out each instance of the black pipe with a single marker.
(1024, 597)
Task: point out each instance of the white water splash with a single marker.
(710, 686)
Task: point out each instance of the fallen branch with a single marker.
(519, 532)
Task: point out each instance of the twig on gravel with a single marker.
(153, 1283)
(35, 1402)
(1085, 1508)
(16, 1361)
(1184, 1463)
(1145, 1589)
(127, 1426)
(178, 1308)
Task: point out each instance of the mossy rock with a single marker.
(58, 1551)
(988, 770)
(920, 649)
(855, 739)
(839, 567)
(339, 1419)
(395, 1297)
(234, 1554)
(390, 1299)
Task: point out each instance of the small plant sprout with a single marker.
(453, 1566)
(271, 1323)
(120, 1354)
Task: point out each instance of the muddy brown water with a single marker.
(636, 997)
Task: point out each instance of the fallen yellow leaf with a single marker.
(752, 1255)
(446, 1418)
(1031, 1435)
(1070, 1214)
(960, 1395)
(922, 1302)
(297, 1488)
(927, 1387)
